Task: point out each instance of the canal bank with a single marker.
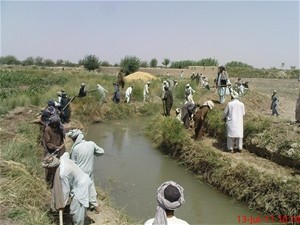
(263, 185)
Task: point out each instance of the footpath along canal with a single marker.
(132, 169)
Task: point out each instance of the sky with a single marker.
(263, 34)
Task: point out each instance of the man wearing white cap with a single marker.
(199, 119)
(82, 153)
(169, 198)
(189, 91)
(233, 115)
(82, 90)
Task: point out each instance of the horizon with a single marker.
(258, 33)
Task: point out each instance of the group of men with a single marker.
(70, 174)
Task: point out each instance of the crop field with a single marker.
(18, 83)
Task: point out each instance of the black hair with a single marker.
(171, 193)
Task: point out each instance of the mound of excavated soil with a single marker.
(143, 76)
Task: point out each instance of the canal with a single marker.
(132, 170)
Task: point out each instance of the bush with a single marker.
(130, 64)
(90, 62)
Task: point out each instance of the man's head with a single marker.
(172, 193)
(221, 68)
(74, 133)
(54, 121)
(169, 198)
(64, 94)
(234, 95)
(51, 103)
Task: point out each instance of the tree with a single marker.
(104, 63)
(90, 62)
(237, 64)
(9, 60)
(153, 63)
(130, 64)
(144, 64)
(282, 65)
(166, 62)
(59, 62)
(39, 61)
(70, 64)
(28, 62)
(49, 62)
(208, 62)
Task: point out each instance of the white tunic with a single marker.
(234, 113)
(75, 182)
(171, 221)
(128, 93)
(146, 90)
(83, 155)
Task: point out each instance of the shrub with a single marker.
(90, 62)
(130, 64)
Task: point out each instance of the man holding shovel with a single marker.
(69, 183)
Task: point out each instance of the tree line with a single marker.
(128, 64)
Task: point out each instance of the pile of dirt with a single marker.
(143, 76)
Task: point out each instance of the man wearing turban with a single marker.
(82, 153)
(169, 198)
(233, 115)
(199, 119)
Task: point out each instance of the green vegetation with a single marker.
(188, 63)
(23, 192)
(237, 64)
(130, 64)
(166, 62)
(153, 63)
(90, 62)
(23, 88)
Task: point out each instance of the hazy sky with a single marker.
(259, 33)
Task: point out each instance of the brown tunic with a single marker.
(53, 138)
(199, 122)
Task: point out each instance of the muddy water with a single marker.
(132, 170)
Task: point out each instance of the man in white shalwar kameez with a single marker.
(82, 153)
(128, 94)
(74, 184)
(233, 115)
(146, 91)
(102, 92)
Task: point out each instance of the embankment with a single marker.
(263, 185)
